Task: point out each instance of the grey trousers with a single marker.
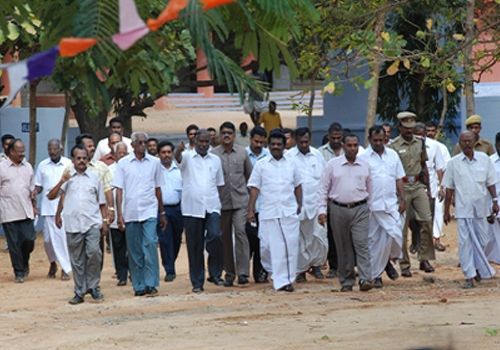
(241, 253)
(350, 231)
(86, 256)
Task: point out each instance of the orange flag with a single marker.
(210, 4)
(69, 47)
(170, 13)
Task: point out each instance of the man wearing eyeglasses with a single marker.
(237, 167)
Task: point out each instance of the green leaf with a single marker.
(13, 31)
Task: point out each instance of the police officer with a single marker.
(473, 123)
(413, 155)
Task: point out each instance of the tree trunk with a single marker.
(444, 110)
(32, 125)
(67, 111)
(311, 106)
(468, 62)
(371, 111)
(96, 126)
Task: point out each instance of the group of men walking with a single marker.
(281, 212)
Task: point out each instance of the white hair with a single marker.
(135, 135)
(119, 144)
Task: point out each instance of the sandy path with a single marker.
(405, 314)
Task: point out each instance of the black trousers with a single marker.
(21, 240)
(119, 244)
(254, 244)
(332, 250)
(196, 240)
(170, 238)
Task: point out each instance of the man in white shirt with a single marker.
(313, 241)
(386, 203)
(138, 180)
(82, 205)
(171, 191)
(201, 207)
(115, 125)
(48, 173)
(256, 151)
(470, 176)
(276, 181)
(492, 249)
(431, 130)
(191, 131)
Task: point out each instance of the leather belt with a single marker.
(172, 205)
(410, 179)
(349, 205)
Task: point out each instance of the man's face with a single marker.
(475, 128)
(290, 141)
(113, 140)
(377, 141)
(431, 132)
(272, 107)
(213, 136)
(139, 145)
(351, 147)
(387, 130)
(80, 160)
(303, 143)
(152, 147)
(257, 143)
(202, 143)
(191, 136)
(55, 151)
(276, 147)
(227, 136)
(116, 127)
(166, 155)
(89, 146)
(335, 139)
(406, 132)
(17, 152)
(419, 132)
(466, 142)
(121, 151)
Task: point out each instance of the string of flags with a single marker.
(131, 29)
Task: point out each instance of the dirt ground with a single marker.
(405, 314)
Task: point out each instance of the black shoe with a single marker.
(406, 273)
(468, 284)
(197, 290)
(19, 279)
(391, 272)
(262, 277)
(477, 277)
(316, 272)
(215, 280)
(365, 286)
(301, 278)
(96, 294)
(332, 273)
(287, 288)
(228, 280)
(377, 283)
(242, 279)
(76, 300)
(52, 270)
(122, 283)
(26, 272)
(346, 289)
(426, 266)
(139, 293)
(151, 292)
(413, 249)
(169, 277)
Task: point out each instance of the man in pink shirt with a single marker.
(344, 190)
(17, 208)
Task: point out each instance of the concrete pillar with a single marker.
(202, 74)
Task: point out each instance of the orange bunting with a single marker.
(210, 4)
(171, 12)
(69, 47)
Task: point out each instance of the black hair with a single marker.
(277, 134)
(287, 131)
(11, 145)
(387, 124)
(497, 137)
(79, 139)
(80, 147)
(299, 132)
(324, 141)
(350, 135)
(227, 125)
(164, 143)
(258, 130)
(431, 124)
(152, 139)
(115, 120)
(211, 129)
(376, 129)
(334, 127)
(192, 127)
(7, 137)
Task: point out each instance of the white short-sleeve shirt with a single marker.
(171, 190)
(102, 147)
(47, 176)
(435, 162)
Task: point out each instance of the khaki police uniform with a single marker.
(412, 155)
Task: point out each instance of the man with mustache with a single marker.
(470, 177)
(473, 124)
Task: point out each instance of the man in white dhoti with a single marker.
(469, 176)
(313, 241)
(48, 173)
(276, 180)
(431, 130)
(492, 249)
(386, 203)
